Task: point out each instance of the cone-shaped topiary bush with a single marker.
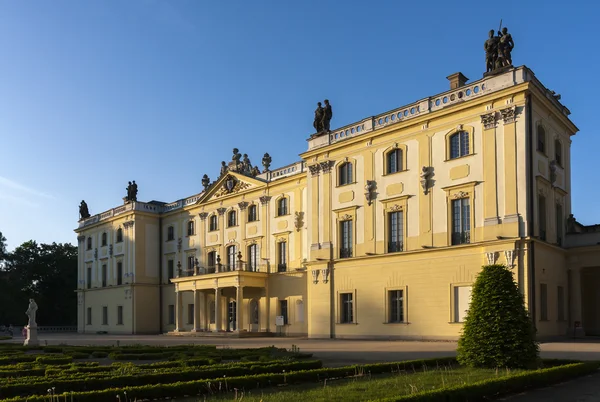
(497, 331)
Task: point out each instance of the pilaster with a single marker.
(239, 305)
(511, 213)
(490, 185)
(217, 309)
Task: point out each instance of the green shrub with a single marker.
(54, 360)
(251, 358)
(52, 349)
(79, 355)
(99, 354)
(140, 356)
(497, 331)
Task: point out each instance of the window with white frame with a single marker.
(104, 239)
(252, 215)
(231, 257)
(461, 221)
(253, 257)
(282, 256)
(345, 174)
(346, 308)
(462, 300)
(395, 231)
(190, 228)
(119, 235)
(119, 273)
(232, 219)
(459, 144)
(213, 223)
(282, 206)
(395, 306)
(170, 233)
(394, 161)
(346, 239)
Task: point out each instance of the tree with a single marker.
(2, 248)
(497, 331)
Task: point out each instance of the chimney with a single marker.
(457, 80)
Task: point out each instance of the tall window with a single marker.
(542, 216)
(396, 306)
(394, 161)
(283, 311)
(213, 223)
(462, 300)
(541, 139)
(252, 217)
(89, 316)
(560, 299)
(254, 314)
(345, 239)
(543, 302)
(231, 257)
(253, 257)
(212, 312)
(104, 239)
(89, 277)
(281, 256)
(345, 173)
(346, 308)
(190, 314)
(89, 243)
(211, 258)
(190, 228)
(558, 152)
(396, 231)
(461, 221)
(559, 224)
(171, 314)
(190, 264)
(170, 233)
(119, 315)
(104, 315)
(282, 206)
(170, 270)
(104, 275)
(459, 144)
(232, 219)
(119, 235)
(119, 273)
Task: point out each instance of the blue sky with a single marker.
(96, 93)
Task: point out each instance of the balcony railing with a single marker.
(346, 252)
(461, 237)
(220, 268)
(395, 246)
(281, 267)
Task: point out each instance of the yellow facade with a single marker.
(379, 231)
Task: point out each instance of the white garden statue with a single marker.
(31, 337)
(31, 310)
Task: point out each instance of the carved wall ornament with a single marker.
(488, 120)
(459, 127)
(509, 114)
(326, 166)
(314, 169)
(426, 175)
(298, 220)
(542, 191)
(491, 258)
(325, 274)
(110, 249)
(346, 217)
(510, 257)
(128, 224)
(243, 205)
(96, 254)
(315, 275)
(552, 167)
(221, 211)
(370, 191)
(265, 199)
(179, 241)
(395, 208)
(231, 185)
(460, 194)
(203, 215)
(81, 238)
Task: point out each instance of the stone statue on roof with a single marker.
(84, 213)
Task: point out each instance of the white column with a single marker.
(267, 317)
(239, 302)
(197, 324)
(178, 311)
(217, 309)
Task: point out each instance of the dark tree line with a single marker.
(44, 272)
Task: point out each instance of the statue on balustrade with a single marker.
(224, 169)
(327, 115)
(235, 159)
(205, 181)
(132, 190)
(84, 213)
(266, 162)
(318, 122)
(498, 50)
(31, 312)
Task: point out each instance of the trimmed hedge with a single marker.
(495, 387)
(54, 360)
(99, 355)
(140, 356)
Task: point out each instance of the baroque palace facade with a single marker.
(379, 231)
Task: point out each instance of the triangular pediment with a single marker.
(229, 185)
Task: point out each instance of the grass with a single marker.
(364, 387)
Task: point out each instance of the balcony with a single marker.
(461, 238)
(395, 246)
(221, 268)
(346, 252)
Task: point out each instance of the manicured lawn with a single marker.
(365, 387)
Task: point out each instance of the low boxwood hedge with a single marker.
(53, 360)
(99, 354)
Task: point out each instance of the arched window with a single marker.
(119, 235)
(345, 173)
(232, 219)
(541, 139)
(213, 223)
(89, 243)
(104, 237)
(459, 144)
(231, 257)
(170, 233)
(252, 216)
(190, 228)
(282, 206)
(558, 152)
(394, 161)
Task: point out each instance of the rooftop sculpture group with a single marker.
(323, 117)
(239, 164)
(84, 212)
(498, 50)
(132, 190)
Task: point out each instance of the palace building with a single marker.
(378, 231)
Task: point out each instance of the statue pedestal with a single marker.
(32, 337)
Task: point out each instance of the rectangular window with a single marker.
(459, 144)
(282, 207)
(104, 315)
(345, 239)
(395, 231)
(543, 302)
(119, 273)
(119, 315)
(281, 256)
(252, 213)
(462, 299)
(559, 224)
(170, 270)
(558, 152)
(190, 265)
(190, 228)
(253, 257)
(346, 308)
(213, 223)
(212, 258)
(560, 299)
(171, 314)
(345, 172)
(190, 314)
(461, 221)
(170, 233)
(542, 216)
(283, 311)
(89, 277)
(394, 161)
(89, 316)
(104, 275)
(396, 306)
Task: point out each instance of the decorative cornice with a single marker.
(460, 194)
(326, 166)
(221, 211)
(509, 114)
(488, 120)
(265, 199)
(128, 224)
(203, 215)
(243, 205)
(314, 169)
(81, 238)
(395, 208)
